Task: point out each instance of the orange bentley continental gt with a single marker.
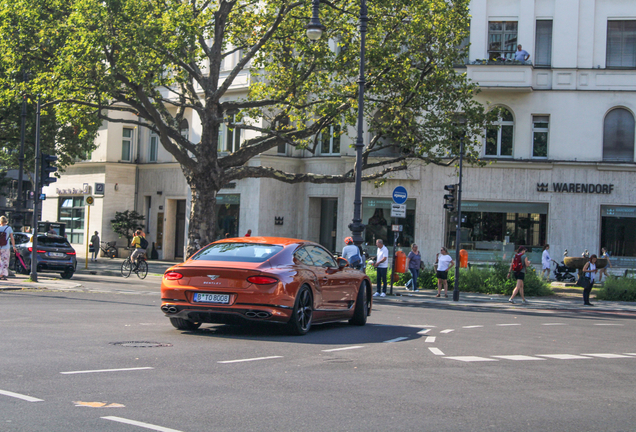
(281, 280)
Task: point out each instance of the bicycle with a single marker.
(109, 249)
(140, 267)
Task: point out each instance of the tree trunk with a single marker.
(203, 217)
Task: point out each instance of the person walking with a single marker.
(95, 243)
(248, 233)
(382, 266)
(519, 267)
(603, 271)
(546, 262)
(444, 263)
(589, 270)
(413, 262)
(6, 241)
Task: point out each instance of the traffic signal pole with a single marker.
(36, 198)
(459, 220)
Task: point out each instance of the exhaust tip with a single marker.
(169, 309)
(260, 315)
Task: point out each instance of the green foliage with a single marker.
(491, 280)
(126, 223)
(618, 289)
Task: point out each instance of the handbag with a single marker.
(91, 248)
(583, 281)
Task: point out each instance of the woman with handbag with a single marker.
(589, 273)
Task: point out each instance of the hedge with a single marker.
(617, 289)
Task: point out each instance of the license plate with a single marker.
(56, 254)
(211, 298)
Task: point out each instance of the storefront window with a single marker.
(618, 230)
(71, 212)
(492, 230)
(227, 210)
(376, 215)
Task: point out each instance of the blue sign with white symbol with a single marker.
(400, 195)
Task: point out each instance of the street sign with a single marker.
(90, 200)
(99, 188)
(398, 210)
(42, 197)
(400, 195)
(396, 228)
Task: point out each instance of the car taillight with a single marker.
(262, 280)
(173, 276)
(70, 253)
(39, 251)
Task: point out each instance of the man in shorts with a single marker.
(444, 263)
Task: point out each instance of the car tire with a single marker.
(361, 310)
(67, 274)
(184, 324)
(302, 314)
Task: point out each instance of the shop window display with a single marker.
(376, 215)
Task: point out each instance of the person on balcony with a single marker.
(521, 55)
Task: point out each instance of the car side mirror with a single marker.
(342, 263)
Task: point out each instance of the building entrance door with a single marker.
(179, 241)
(328, 222)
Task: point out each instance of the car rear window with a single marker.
(53, 241)
(240, 252)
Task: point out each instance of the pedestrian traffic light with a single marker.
(48, 168)
(450, 198)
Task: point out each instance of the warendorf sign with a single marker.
(589, 188)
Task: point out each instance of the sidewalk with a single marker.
(112, 267)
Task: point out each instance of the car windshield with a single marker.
(53, 241)
(241, 252)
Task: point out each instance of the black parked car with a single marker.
(54, 254)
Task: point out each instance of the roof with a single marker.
(283, 241)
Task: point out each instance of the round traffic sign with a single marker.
(90, 200)
(400, 195)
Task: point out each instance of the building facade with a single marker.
(559, 166)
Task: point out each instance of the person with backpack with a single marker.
(352, 254)
(6, 237)
(519, 267)
(413, 263)
(140, 244)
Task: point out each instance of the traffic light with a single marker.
(48, 168)
(450, 198)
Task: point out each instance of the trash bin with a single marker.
(463, 258)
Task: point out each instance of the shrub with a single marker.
(618, 289)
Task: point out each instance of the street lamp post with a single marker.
(314, 31)
(458, 233)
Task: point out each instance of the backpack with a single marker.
(355, 261)
(3, 238)
(143, 243)
(517, 264)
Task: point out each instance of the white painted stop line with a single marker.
(250, 359)
(140, 424)
(20, 396)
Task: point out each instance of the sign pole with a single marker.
(89, 204)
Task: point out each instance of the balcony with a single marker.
(501, 75)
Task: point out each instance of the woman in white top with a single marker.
(444, 263)
(5, 248)
(589, 269)
(546, 262)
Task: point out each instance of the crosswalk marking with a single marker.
(424, 331)
(447, 331)
(401, 338)
(430, 339)
(436, 351)
(607, 355)
(471, 359)
(518, 357)
(563, 356)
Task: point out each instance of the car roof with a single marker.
(282, 241)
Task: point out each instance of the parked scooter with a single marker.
(563, 273)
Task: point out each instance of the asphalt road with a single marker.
(89, 360)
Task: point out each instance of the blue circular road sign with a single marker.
(400, 195)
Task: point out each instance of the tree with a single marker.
(160, 59)
(126, 223)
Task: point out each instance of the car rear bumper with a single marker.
(228, 315)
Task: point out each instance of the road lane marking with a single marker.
(604, 324)
(447, 331)
(20, 396)
(563, 356)
(505, 325)
(436, 351)
(471, 359)
(518, 357)
(630, 354)
(342, 349)
(609, 356)
(250, 359)
(552, 324)
(430, 339)
(401, 338)
(140, 424)
(105, 370)
(424, 331)
(473, 326)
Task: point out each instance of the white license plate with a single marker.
(211, 298)
(56, 254)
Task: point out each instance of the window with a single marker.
(320, 257)
(543, 43)
(618, 136)
(499, 136)
(621, 44)
(153, 148)
(233, 139)
(330, 141)
(540, 136)
(376, 214)
(71, 212)
(126, 144)
(282, 148)
(502, 39)
(618, 230)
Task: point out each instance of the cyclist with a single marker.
(140, 244)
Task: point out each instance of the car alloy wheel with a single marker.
(300, 322)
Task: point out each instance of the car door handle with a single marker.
(325, 279)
